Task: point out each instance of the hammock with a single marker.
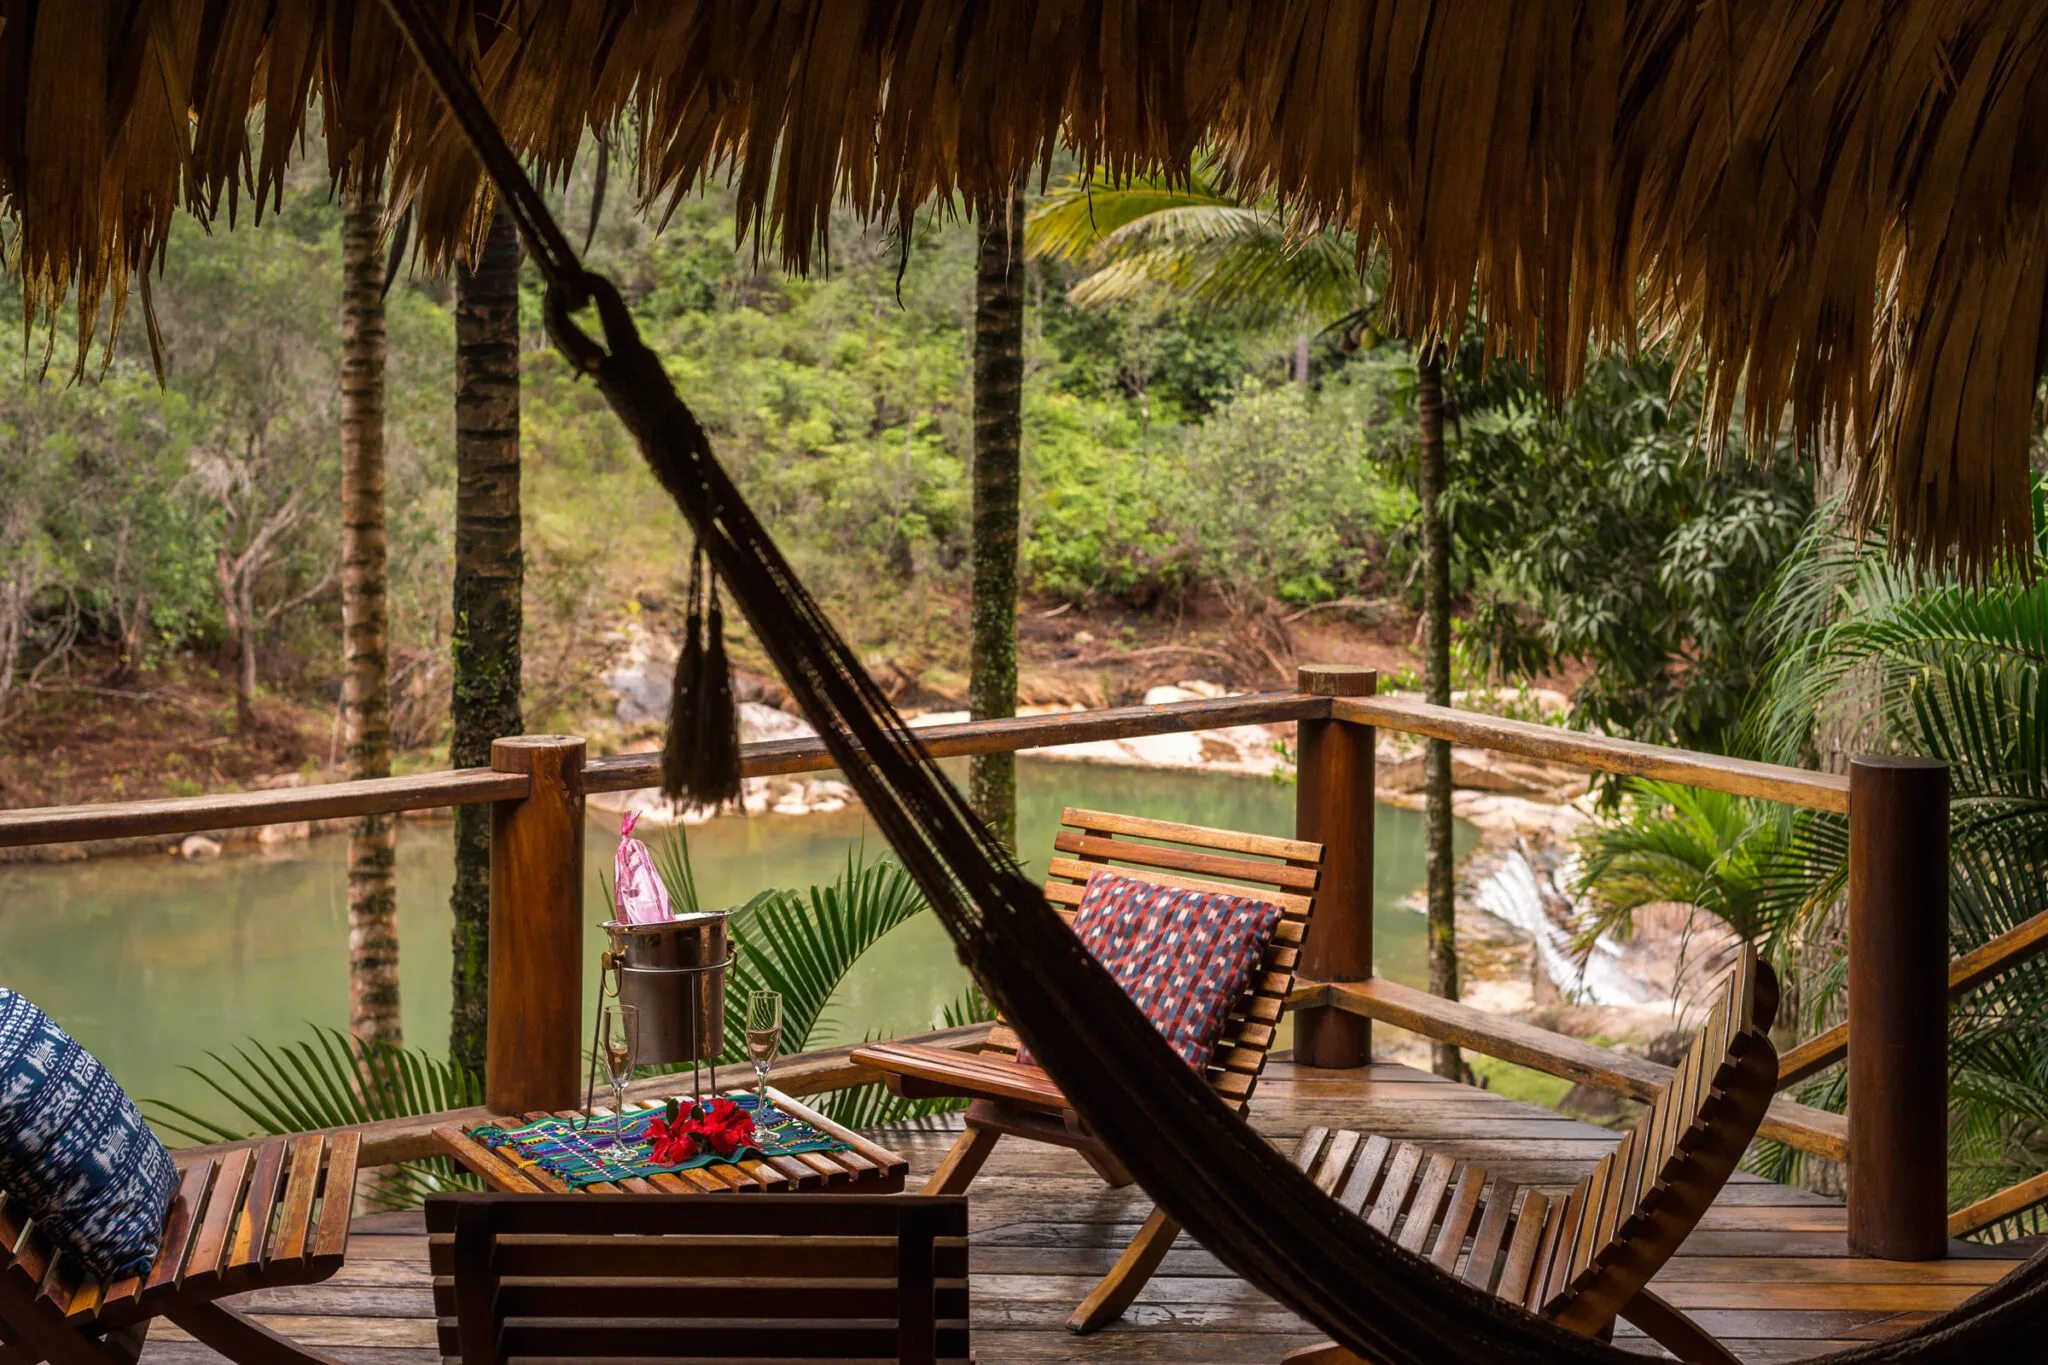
(1241, 1198)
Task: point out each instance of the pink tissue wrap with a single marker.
(636, 886)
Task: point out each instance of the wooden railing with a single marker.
(536, 786)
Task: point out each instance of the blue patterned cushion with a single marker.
(74, 1149)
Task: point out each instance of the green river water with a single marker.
(152, 962)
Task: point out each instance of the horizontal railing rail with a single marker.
(1602, 753)
(620, 772)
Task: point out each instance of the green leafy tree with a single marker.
(1606, 532)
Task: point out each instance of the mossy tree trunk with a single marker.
(489, 572)
(1436, 769)
(366, 641)
(998, 433)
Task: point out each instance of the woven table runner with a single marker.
(578, 1155)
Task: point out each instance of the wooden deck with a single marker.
(1768, 1270)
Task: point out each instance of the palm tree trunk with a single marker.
(365, 637)
(998, 438)
(489, 572)
(1436, 766)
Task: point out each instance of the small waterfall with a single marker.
(1524, 897)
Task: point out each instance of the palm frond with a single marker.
(1152, 238)
(329, 1080)
(1760, 869)
(802, 945)
(678, 876)
(1070, 223)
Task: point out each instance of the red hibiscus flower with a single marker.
(719, 1126)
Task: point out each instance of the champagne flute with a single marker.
(621, 1041)
(764, 1036)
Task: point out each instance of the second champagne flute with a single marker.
(621, 1041)
(764, 1036)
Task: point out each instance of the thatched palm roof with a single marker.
(1840, 203)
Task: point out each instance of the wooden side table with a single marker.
(866, 1167)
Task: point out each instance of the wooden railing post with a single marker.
(1898, 1008)
(534, 1040)
(1333, 805)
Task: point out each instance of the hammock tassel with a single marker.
(700, 757)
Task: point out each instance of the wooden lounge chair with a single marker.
(1586, 1258)
(1010, 1097)
(789, 1277)
(254, 1218)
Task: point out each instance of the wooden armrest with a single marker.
(934, 1071)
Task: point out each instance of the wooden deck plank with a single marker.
(1768, 1269)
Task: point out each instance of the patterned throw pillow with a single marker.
(74, 1148)
(1182, 956)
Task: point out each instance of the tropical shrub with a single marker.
(1606, 531)
(1872, 655)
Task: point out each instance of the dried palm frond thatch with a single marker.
(1839, 205)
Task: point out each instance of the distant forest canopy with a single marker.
(1173, 460)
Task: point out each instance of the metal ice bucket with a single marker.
(673, 973)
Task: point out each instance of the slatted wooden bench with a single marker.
(1586, 1258)
(865, 1166)
(803, 1277)
(256, 1217)
(1019, 1099)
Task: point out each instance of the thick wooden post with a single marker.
(1898, 1008)
(536, 996)
(1333, 805)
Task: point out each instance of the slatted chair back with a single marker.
(1631, 1214)
(253, 1217)
(791, 1277)
(1283, 872)
(1585, 1257)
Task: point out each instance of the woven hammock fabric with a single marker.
(1238, 1196)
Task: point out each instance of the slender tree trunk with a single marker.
(1436, 605)
(1301, 358)
(998, 438)
(243, 629)
(489, 572)
(365, 636)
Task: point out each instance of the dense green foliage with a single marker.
(1167, 451)
(129, 511)
(841, 402)
(1602, 532)
(1871, 655)
(1607, 532)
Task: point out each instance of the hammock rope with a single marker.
(1241, 1198)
